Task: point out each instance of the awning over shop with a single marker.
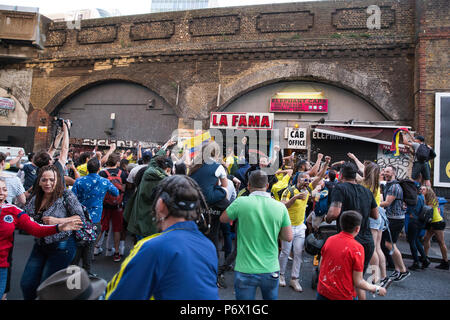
(379, 135)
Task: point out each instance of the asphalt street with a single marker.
(429, 284)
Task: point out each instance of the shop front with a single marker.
(311, 118)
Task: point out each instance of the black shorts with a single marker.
(421, 168)
(396, 226)
(437, 226)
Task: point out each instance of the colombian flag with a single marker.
(396, 140)
(195, 144)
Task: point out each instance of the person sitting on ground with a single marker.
(342, 263)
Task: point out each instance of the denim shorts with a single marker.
(380, 223)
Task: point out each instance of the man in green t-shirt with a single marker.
(261, 220)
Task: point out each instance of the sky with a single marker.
(125, 7)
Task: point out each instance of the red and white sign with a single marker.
(241, 120)
(299, 105)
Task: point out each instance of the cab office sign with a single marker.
(297, 138)
(299, 105)
(241, 120)
(441, 141)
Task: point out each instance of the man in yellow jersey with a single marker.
(82, 168)
(295, 198)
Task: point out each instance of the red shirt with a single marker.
(341, 255)
(12, 217)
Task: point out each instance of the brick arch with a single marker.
(372, 89)
(83, 84)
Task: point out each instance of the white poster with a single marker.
(297, 138)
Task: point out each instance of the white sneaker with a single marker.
(110, 252)
(282, 281)
(121, 247)
(294, 283)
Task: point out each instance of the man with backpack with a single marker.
(113, 205)
(394, 196)
(90, 191)
(422, 154)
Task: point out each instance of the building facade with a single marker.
(180, 5)
(345, 73)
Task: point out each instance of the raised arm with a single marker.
(55, 144)
(358, 163)
(112, 148)
(65, 144)
(322, 172)
(139, 151)
(406, 141)
(16, 160)
(313, 171)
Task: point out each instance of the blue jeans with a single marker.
(3, 280)
(44, 261)
(245, 285)
(413, 236)
(227, 241)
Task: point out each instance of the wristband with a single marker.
(57, 228)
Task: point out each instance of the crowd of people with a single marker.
(182, 213)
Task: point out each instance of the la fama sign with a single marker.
(297, 138)
(241, 120)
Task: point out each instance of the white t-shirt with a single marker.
(14, 186)
(221, 173)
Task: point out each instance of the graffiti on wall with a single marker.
(108, 142)
(403, 162)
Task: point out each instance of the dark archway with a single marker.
(139, 114)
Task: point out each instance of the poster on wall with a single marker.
(7, 104)
(441, 141)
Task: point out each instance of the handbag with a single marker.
(87, 233)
